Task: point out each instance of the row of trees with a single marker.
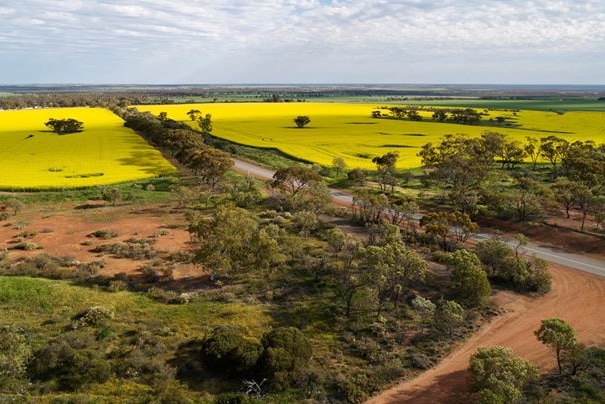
(181, 142)
(465, 116)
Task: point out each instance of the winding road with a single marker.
(577, 295)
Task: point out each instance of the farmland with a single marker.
(146, 277)
(105, 152)
(348, 131)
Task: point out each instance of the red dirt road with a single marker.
(576, 297)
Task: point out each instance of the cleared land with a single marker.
(349, 131)
(32, 157)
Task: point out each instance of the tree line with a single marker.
(182, 143)
(463, 116)
(467, 167)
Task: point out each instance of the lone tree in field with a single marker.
(302, 120)
(64, 126)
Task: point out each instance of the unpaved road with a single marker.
(576, 297)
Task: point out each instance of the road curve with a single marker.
(574, 297)
(570, 260)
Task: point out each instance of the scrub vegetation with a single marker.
(284, 296)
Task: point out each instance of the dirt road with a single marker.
(577, 297)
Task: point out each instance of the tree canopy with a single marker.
(498, 375)
(301, 121)
(470, 280)
(65, 126)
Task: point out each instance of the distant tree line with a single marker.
(464, 116)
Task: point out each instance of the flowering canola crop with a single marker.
(32, 157)
(348, 131)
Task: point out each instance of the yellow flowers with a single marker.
(33, 157)
(349, 131)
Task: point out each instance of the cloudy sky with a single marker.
(302, 41)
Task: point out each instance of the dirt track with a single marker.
(576, 297)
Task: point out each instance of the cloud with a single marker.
(295, 40)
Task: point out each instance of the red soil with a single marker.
(62, 231)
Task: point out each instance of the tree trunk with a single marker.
(584, 213)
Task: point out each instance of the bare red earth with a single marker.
(62, 231)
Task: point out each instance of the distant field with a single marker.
(557, 105)
(348, 131)
(32, 157)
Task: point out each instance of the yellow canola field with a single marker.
(348, 131)
(32, 157)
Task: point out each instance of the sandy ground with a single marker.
(576, 297)
(62, 231)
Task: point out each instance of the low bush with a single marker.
(104, 234)
(91, 317)
(70, 362)
(139, 249)
(15, 352)
(226, 350)
(41, 266)
(25, 246)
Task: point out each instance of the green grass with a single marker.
(140, 192)
(548, 104)
(45, 307)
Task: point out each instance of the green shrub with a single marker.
(103, 234)
(70, 362)
(25, 246)
(506, 266)
(132, 249)
(227, 351)
(14, 353)
(92, 316)
(286, 351)
(117, 286)
(43, 266)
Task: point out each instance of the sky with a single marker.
(302, 41)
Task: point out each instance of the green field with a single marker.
(348, 131)
(560, 105)
(32, 157)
